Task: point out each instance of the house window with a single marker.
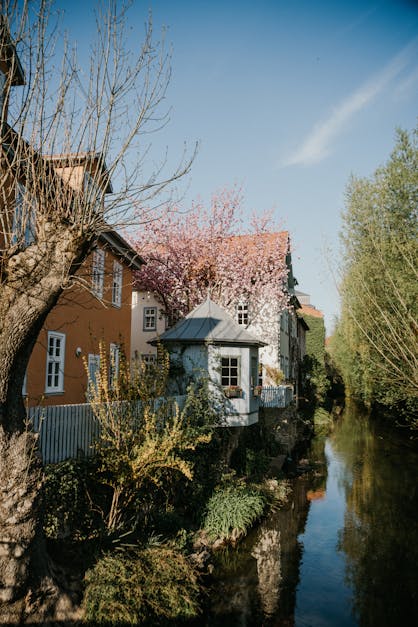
(91, 192)
(114, 364)
(24, 386)
(260, 374)
(284, 321)
(254, 371)
(230, 374)
(55, 362)
(97, 272)
(117, 284)
(150, 318)
(242, 314)
(23, 229)
(149, 359)
(93, 368)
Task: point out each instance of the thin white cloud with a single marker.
(318, 143)
(406, 86)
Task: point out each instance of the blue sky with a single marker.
(287, 100)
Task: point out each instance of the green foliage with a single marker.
(322, 421)
(315, 380)
(232, 509)
(68, 511)
(144, 441)
(141, 587)
(315, 337)
(375, 345)
(189, 497)
(256, 463)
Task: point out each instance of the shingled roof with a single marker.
(209, 324)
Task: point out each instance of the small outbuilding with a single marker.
(209, 344)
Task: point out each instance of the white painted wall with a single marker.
(140, 337)
(204, 362)
(235, 412)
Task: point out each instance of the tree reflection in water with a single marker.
(348, 539)
(380, 535)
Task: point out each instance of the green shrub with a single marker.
(141, 587)
(68, 512)
(256, 463)
(232, 510)
(322, 418)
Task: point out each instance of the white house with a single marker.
(209, 344)
(275, 324)
(147, 320)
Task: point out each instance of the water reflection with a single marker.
(344, 552)
(380, 534)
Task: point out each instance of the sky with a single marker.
(287, 100)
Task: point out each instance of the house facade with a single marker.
(92, 314)
(209, 345)
(148, 320)
(275, 323)
(95, 306)
(11, 71)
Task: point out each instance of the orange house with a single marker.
(97, 308)
(95, 311)
(80, 322)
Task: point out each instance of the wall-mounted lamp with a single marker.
(78, 351)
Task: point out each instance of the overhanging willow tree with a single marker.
(50, 220)
(378, 330)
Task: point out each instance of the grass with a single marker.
(232, 510)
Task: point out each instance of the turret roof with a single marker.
(209, 323)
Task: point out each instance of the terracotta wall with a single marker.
(85, 321)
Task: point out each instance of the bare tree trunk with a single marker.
(27, 588)
(20, 482)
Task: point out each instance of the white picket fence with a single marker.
(69, 431)
(280, 396)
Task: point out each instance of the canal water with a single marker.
(344, 551)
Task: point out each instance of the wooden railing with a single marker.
(280, 396)
(69, 431)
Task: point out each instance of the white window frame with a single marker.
(117, 284)
(228, 379)
(150, 319)
(114, 362)
(93, 364)
(54, 375)
(149, 359)
(97, 272)
(243, 315)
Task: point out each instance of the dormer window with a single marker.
(242, 314)
(91, 191)
(23, 230)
